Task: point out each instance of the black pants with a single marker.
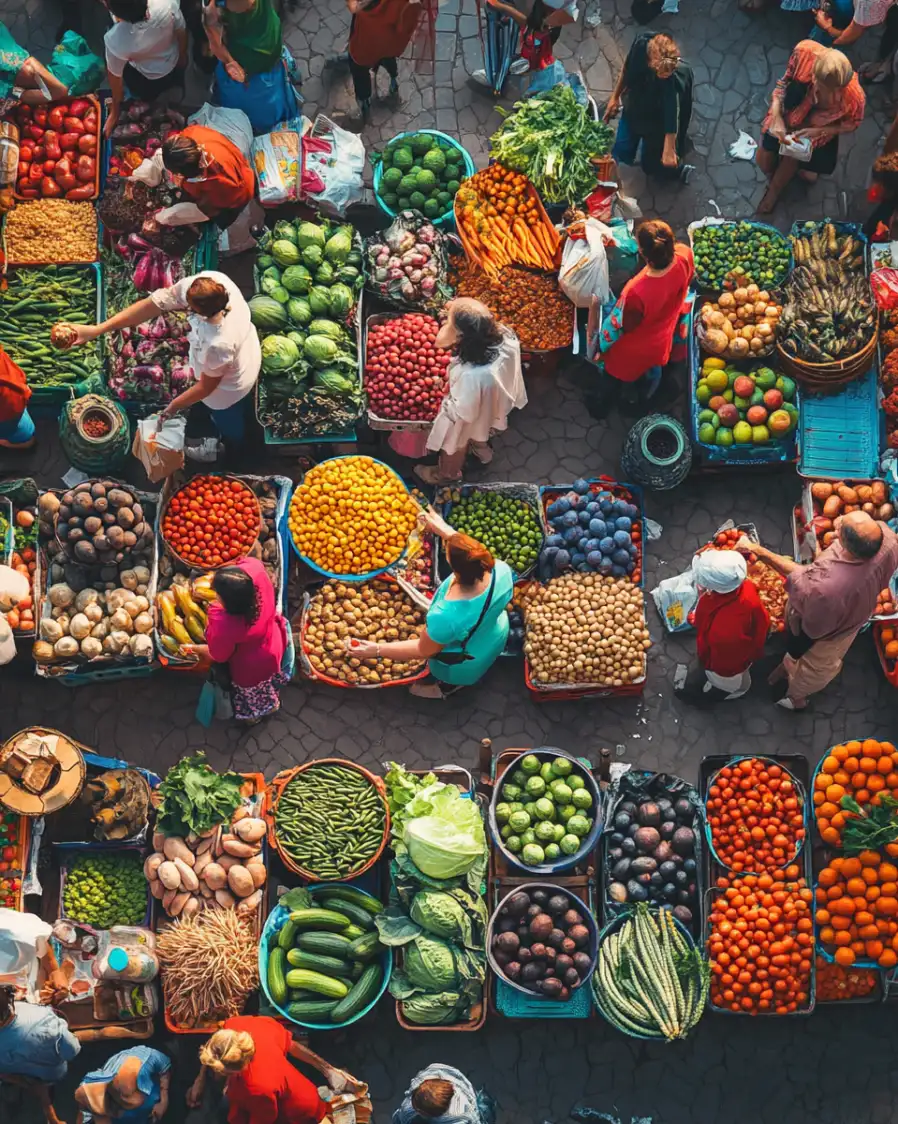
(889, 41)
(148, 89)
(361, 76)
(693, 690)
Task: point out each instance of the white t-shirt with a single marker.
(569, 6)
(869, 13)
(151, 46)
(228, 351)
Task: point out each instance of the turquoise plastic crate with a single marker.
(448, 216)
(839, 434)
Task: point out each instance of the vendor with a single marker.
(21, 71)
(224, 346)
(467, 622)
(379, 32)
(16, 426)
(132, 1087)
(731, 626)
(36, 1046)
(441, 1094)
(206, 167)
(485, 384)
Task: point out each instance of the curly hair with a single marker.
(885, 171)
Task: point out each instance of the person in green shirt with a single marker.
(467, 622)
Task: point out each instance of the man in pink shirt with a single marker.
(829, 601)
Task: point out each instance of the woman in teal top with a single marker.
(467, 622)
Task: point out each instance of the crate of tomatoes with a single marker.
(15, 835)
(406, 375)
(59, 149)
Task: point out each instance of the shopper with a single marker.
(132, 1087)
(36, 1046)
(379, 33)
(467, 622)
(830, 601)
(224, 347)
(654, 94)
(540, 30)
(637, 338)
(16, 425)
(485, 384)
(19, 70)
(731, 626)
(854, 21)
(247, 632)
(817, 99)
(441, 1094)
(146, 52)
(251, 1054)
(881, 224)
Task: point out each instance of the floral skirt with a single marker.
(252, 703)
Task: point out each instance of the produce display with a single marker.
(744, 407)
(554, 141)
(755, 811)
(857, 910)
(33, 301)
(771, 911)
(378, 611)
(139, 133)
(420, 171)
(770, 585)
(888, 372)
(650, 981)
(183, 615)
(507, 526)
(546, 810)
(586, 629)
(23, 560)
(406, 374)
(210, 966)
(59, 150)
(741, 324)
(407, 263)
(51, 230)
(835, 984)
(529, 303)
(501, 222)
(853, 793)
(326, 964)
(830, 499)
(830, 313)
(351, 515)
(731, 254)
(592, 531)
(105, 889)
(330, 820)
(211, 521)
(12, 859)
(542, 942)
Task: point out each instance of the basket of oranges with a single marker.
(856, 914)
(849, 786)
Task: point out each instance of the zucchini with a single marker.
(353, 932)
(326, 965)
(311, 1010)
(355, 897)
(277, 968)
(315, 981)
(326, 919)
(363, 992)
(287, 935)
(354, 913)
(325, 944)
(365, 948)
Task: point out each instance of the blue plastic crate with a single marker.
(839, 434)
(448, 216)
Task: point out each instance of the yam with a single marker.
(237, 847)
(205, 845)
(864, 493)
(191, 907)
(240, 814)
(251, 830)
(227, 861)
(189, 880)
(177, 903)
(847, 495)
(169, 875)
(849, 507)
(158, 841)
(151, 866)
(206, 891)
(832, 507)
(176, 848)
(215, 876)
(225, 899)
(822, 525)
(822, 490)
(240, 881)
(880, 491)
(157, 889)
(258, 873)
(202, 861)
(167, 898)
(250, 904)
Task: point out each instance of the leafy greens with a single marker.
(195, 798)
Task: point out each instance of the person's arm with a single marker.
(117, 86)
(181, 40)
(197, 1090)
(843, 37)
(201, 389)
(402, 651)
(508, 10)
(620, 88)
(777, 119)
(559, 18)
(28, 79)
(161, 1106)
(437, 524)
(778, 562)
(303, 1054)
(215, 35)
(137, 313)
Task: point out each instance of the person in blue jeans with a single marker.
(132, 1087)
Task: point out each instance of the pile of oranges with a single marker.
(835, 982)
(761, 943)
(351, 515)
(863, 770)
(857, 909)
(755, 813)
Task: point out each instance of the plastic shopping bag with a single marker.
(159, 445)
(584, 263)
(332, 166)
(276, 159)
(884, 283)
(675, 598)
(231, 123)
(75, 64)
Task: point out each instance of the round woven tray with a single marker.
(827, 378)
(208, 565)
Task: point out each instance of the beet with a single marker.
(533, 911)
(501, 958)
(663, 852)
(572, 917)
(582, 962)
(517, 904)
(508, 924)
(531, 972)
(557, 904)
(552, 988)
(563, 962)
(555, 938)
(579, 934)
(524, 935)
(684, 809)
(538, 950)
(684, 841)
(525, 955)
(649, 815)
(541, 926)
(568, 946)
(539, 896)
(667, 830)
(648, 838)
(571, 977)
(508, 942)
(513, 970)
(683, 913)
(564, 994)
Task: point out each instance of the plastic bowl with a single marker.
(577, 903)
(470, 169)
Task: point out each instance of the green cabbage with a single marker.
(310, 234)
(320, 300)
(284, 229)
(341, 300)
(337, 247)
(436, 1010)
(430, 964)
(268, 284)
(325, 274)
(267, 314)
(285, 253)
(324, 327)
(280, 294)
(298, 338)
(297, 279)
(312, 256)
(454, 915)
(299, 311)
(443, 831)
(333, 381)
(321, 351)
(278, 354)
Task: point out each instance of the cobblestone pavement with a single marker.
(538, 1071)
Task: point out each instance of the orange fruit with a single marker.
(869, 858)
(831, 763)
(850, 867)
(845, 957)
(868, 764)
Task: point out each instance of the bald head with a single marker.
(859, 534)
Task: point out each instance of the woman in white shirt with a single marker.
(224, 347)
(146, 51)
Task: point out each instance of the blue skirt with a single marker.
(266, 99)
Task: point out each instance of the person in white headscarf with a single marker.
(731, 626)
(485, 384)
(441, 1094)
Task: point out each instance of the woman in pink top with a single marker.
(246, 632)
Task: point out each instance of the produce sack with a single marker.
(333, 161)
(675, 598)
(159, 445)
(584, 263)
(75, 64)
(276, 159)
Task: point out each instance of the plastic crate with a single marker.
(389, 424)
(840, 434)
(470, 168)
(891, 675)
(63, 850)
(102, 144)
(713, 221)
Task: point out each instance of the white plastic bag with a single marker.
(231, 123)
(340, 167)
(744, 148)
(150, 171)
(181, 214)
(675, 598)
(276, 161)
(584, 266)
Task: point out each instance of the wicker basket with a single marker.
(828, 378)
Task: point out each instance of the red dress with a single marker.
(652, 307)
(270, 1090)
(731, 629)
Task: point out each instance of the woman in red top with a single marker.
(251, 1053)
(637, 338)
(731, 627)
(210, 170)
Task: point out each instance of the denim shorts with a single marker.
(18, 432)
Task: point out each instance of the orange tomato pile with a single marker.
(755, 813)
(212, 521)
(857, 909)
(835, 982)
(761, 943)
(21, 618)
(859, 769)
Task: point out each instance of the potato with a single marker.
(202, 861)
(251, 830)
(191, 907)
(885, 512)
(833, 507)
(847, 494)
(822, 524)
(169, 875)
(177, 903)
(151, 866)
(189, 880)
(258, 873)
(821, 490)
(828, 539)
(225, 899)
(869, 508)
(849, 507)
(250, 904)
(175, 848)
(864, 493)
(215, 876)
(240, 881)
(157, 889)
(238, 848)
(880, 491)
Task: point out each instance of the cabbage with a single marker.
(436, 1010)
(278, 354)
(337, 247)
(454, 915)
(284, 229)
(341, 299)
(430, 964)
(299, 311)
(285, 253)
(310, 234)
(297, 279)
(267, 314)
(333, 381)
(443, 831)
(322, 327)
(320, 350)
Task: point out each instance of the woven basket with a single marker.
(828, 378)
(207, 565)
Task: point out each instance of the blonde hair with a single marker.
(832, 69)
(228, 1051)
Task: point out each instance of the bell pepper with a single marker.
(86, 169)
(34, 131)
(40, 115)
(55, 117)
(50, 189)
(88, 144)
(35, 172)
(73, 125)
(80, 106)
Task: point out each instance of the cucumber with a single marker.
(315, 981)
(326, 919)
(363, 992)
(352, 932)
(287, 936)
(277, 968)
(311, 1010)
(326, 965)
(297, 993)
(355, 897)
(325, 944)
(365, 948)
(356, 914)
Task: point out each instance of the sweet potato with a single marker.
(822, 490)
(832, 507)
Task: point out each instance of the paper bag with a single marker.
(159, 446)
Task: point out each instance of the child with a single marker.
(539, 30)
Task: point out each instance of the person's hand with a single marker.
(810, 134)
(823, 20)
(235, 71)
(435, 523)
(611, 109)
(744, 545)
(81, 333)
(778, 128)
(361, 649)
(194, 1096)
(159, 1109)
(669, 159)
(111, 122)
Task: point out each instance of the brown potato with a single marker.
(847, 495)
(849, 507)
(822, 490)
(869, 508)
(864, 493)
(886, 512)
(880, 491)
(832, 507)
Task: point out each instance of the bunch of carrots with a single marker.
(500, 219)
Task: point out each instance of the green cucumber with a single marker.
(325, 944)
(277, 967)
(355, 897)
(327, 965)
(363, 992)
(315, 981)
(352, 932)
(287, 936)
(365, 948)
(319, 919)
(311, 1010)
(354, 913)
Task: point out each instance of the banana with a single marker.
(195, 628)
(180, 633)
(185, 602)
